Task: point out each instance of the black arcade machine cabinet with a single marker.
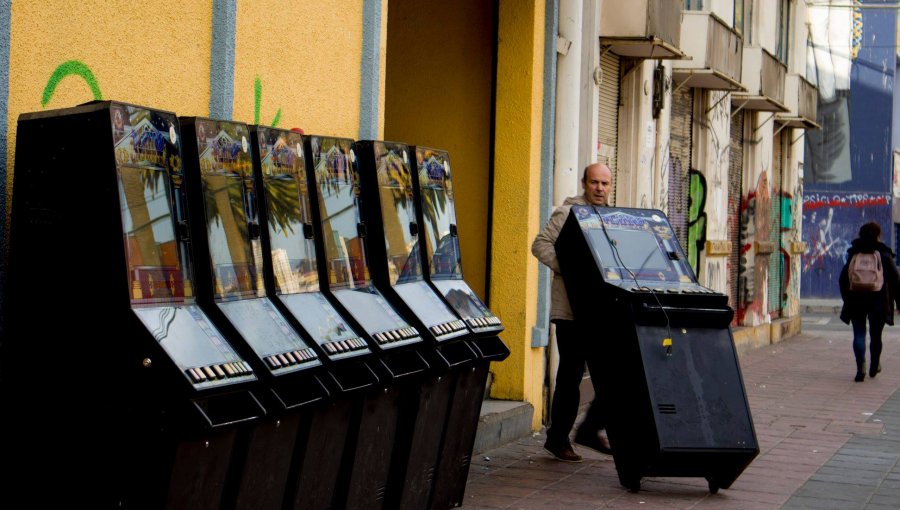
(345, 265)
(442, 264)
(228, 251)
(677, 405)
(118, 389)
(397, 270)
(292, 278)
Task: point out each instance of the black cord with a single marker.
(621, 262)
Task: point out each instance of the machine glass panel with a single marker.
(337, 189)
(398, 217)
(637, 249)
(442, 242)
(436, 188)
(395, 190)
(226, 172)
(293, 251)
(150, 176)
(235, 251)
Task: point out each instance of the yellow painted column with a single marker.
(517, 169)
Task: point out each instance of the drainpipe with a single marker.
(568, 98)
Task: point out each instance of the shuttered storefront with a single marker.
(680, 162)
(735, 195)
(607, 145)
(776, 260)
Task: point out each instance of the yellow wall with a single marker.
(517, 169)
(307, 58)
(136, 51)
(439, 95)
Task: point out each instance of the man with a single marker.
(573, 339)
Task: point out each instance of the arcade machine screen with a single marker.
(150, 177)
(636, 250)
(292, 247)
(337, 189)
(442, 242)
(401, 241)
(229, 206)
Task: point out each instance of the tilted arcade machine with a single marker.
(344, 252)
(677, 404)
(107, 355)
(229, 260)
(292, 278)
(438, 249)
(390, 214)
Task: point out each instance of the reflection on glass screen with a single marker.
(287, 210)
(337, 188)
(636, 250)
(397, 211)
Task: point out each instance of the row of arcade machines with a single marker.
(677, 404)
(206, 314)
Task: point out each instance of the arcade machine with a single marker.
(679, 407)
(343, 249)
(389, 209)
(442, 267)
(108, 356)
(229, 284)
(292, 278)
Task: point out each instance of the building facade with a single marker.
(701, 107)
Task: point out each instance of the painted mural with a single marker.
(714, 187)
(830, 222)
(848, 163)
(696, 220)
(753, 270)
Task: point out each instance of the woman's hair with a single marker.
(871, 231)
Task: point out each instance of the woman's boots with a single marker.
(860, 371)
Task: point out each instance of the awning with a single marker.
(641, 47)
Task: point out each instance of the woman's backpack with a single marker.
(865, 272)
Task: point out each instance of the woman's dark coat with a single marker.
(878, 304)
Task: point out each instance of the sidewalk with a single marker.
(825, 441)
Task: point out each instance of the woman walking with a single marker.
(869, 284)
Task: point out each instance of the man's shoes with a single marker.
(563, 452)
(595, 441)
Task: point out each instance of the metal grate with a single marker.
(776, 260)
(666, 408)
(735, 177)
(680, 162)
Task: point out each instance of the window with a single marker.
(784, 30)
(743, 17)
(693, 5)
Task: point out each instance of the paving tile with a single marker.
(825, 442)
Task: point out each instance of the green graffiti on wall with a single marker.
(257, 103)
(696, 219)
(70, 68)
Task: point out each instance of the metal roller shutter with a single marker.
(680, 162)
(607, 144)
(735, 195)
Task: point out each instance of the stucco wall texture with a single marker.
(306, 56)
(134, 52)
(517, 168)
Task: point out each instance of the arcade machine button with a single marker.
(195, 375)
(290, 357)
(209, 373)
(219, 372)
(283, 359)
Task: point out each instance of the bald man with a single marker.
(573, 343)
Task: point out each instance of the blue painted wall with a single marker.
(848, 164)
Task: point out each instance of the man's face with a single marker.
(597, 184)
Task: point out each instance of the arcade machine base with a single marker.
(675, 409)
